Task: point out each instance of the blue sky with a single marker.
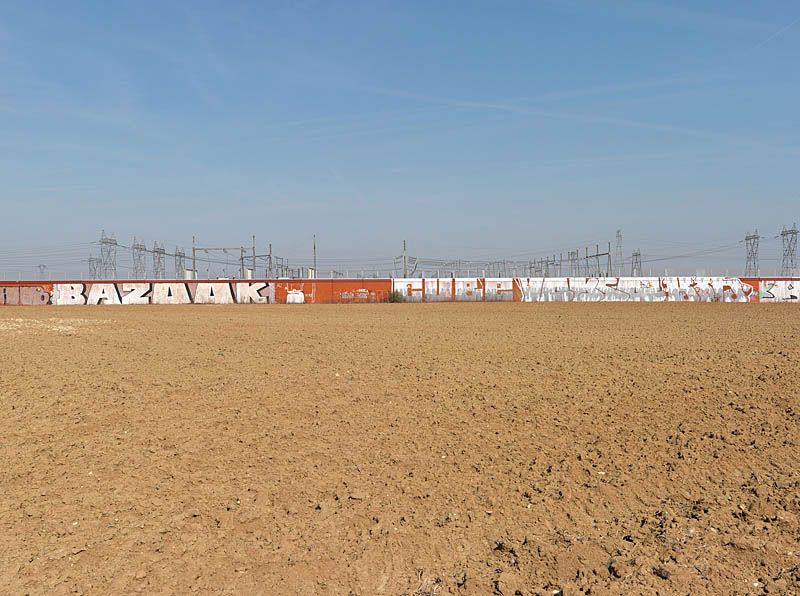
(472, 129)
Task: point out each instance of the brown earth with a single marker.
(401, 449)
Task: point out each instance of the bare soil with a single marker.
(401, 449)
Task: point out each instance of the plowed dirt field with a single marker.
(401, 449)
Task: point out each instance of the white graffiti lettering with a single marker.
(167, 293)
(103, 294)
(213, 293)
(68, 294)
(249, 293)
(135, 293)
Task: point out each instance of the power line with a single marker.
(111, 259)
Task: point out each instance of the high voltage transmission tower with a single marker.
(751, 244)
(94, 268)
(636, 263)
(789, 261)
(139, 250)
(618, 259)
(108, 256)
(180, 263)
(572, 263)
(105, 266)
(159, 271)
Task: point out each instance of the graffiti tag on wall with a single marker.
(164, 293)
(779, 290)
(635, 289)
(25, 295)
(332, 291)
(579, 289)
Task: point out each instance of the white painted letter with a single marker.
(103, 292)
(135, 294)
(213, 293)
(248, 293)
(170, 294)
(69, 294)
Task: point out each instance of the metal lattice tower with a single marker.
(618, 258)
(139, 260)
(159, 271)
(574, 268)
(552, 267)
(751, 243)
(180, 263)
(636, 263)
(789, 261)
(108, 256)
(94, 268)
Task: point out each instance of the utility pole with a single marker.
(596, 271)
(751, 244)
(405, 261)
(270, 260)
(574, 267)
(194, 259)
(315, 255)
(597, 260)
(586, 260)
(254, 256)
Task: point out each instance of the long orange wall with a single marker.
(345, 291)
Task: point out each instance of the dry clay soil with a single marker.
(400, 449)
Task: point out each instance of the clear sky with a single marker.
(472, 129)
